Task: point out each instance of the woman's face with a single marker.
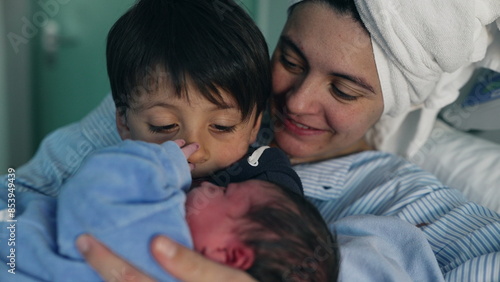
(325, 83)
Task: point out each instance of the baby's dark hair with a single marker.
(291, 241)
(213, 44)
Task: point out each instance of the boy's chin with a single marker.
(219, 177)
(209, 174)
(201, 172)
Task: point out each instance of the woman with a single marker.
(317, 97)
(343, 87)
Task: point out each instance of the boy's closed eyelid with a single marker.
(226, 130)
(163, 128)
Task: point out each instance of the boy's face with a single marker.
(221, 133)
(213, 212)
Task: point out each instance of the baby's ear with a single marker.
(240, 256)
(121, 124)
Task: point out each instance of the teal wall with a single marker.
(16, 113)
(250, 6)
(72, 81)
(272, 17)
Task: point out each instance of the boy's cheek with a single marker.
(200, 172)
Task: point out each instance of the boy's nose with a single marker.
(200, 156)
(197, 136)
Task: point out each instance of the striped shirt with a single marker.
(464, 236)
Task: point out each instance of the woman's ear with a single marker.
(121, 124)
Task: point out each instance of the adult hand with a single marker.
(180, 262)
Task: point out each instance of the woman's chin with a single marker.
(295, 149)
(300, 151)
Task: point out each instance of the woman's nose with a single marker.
(304, 97)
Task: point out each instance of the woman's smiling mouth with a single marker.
(299, 128)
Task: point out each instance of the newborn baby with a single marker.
(127, 194)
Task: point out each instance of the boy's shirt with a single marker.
(123, 195)
(464, 236)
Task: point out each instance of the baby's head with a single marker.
(192, 70)
(260, 222)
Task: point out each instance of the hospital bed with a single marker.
(455, 153)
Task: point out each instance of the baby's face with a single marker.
(214, 212)
(220, 131)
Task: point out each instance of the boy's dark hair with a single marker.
(213, 44)
(291, 241)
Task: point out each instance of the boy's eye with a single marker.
(224, 129)
(163, 129)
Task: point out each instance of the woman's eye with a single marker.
(163, 129)
(224, 129)
(342, 95)
(293, 67)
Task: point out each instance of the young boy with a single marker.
(127, 194)
(178, 69)
(193, 70)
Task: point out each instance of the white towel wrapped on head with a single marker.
(425, 52)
